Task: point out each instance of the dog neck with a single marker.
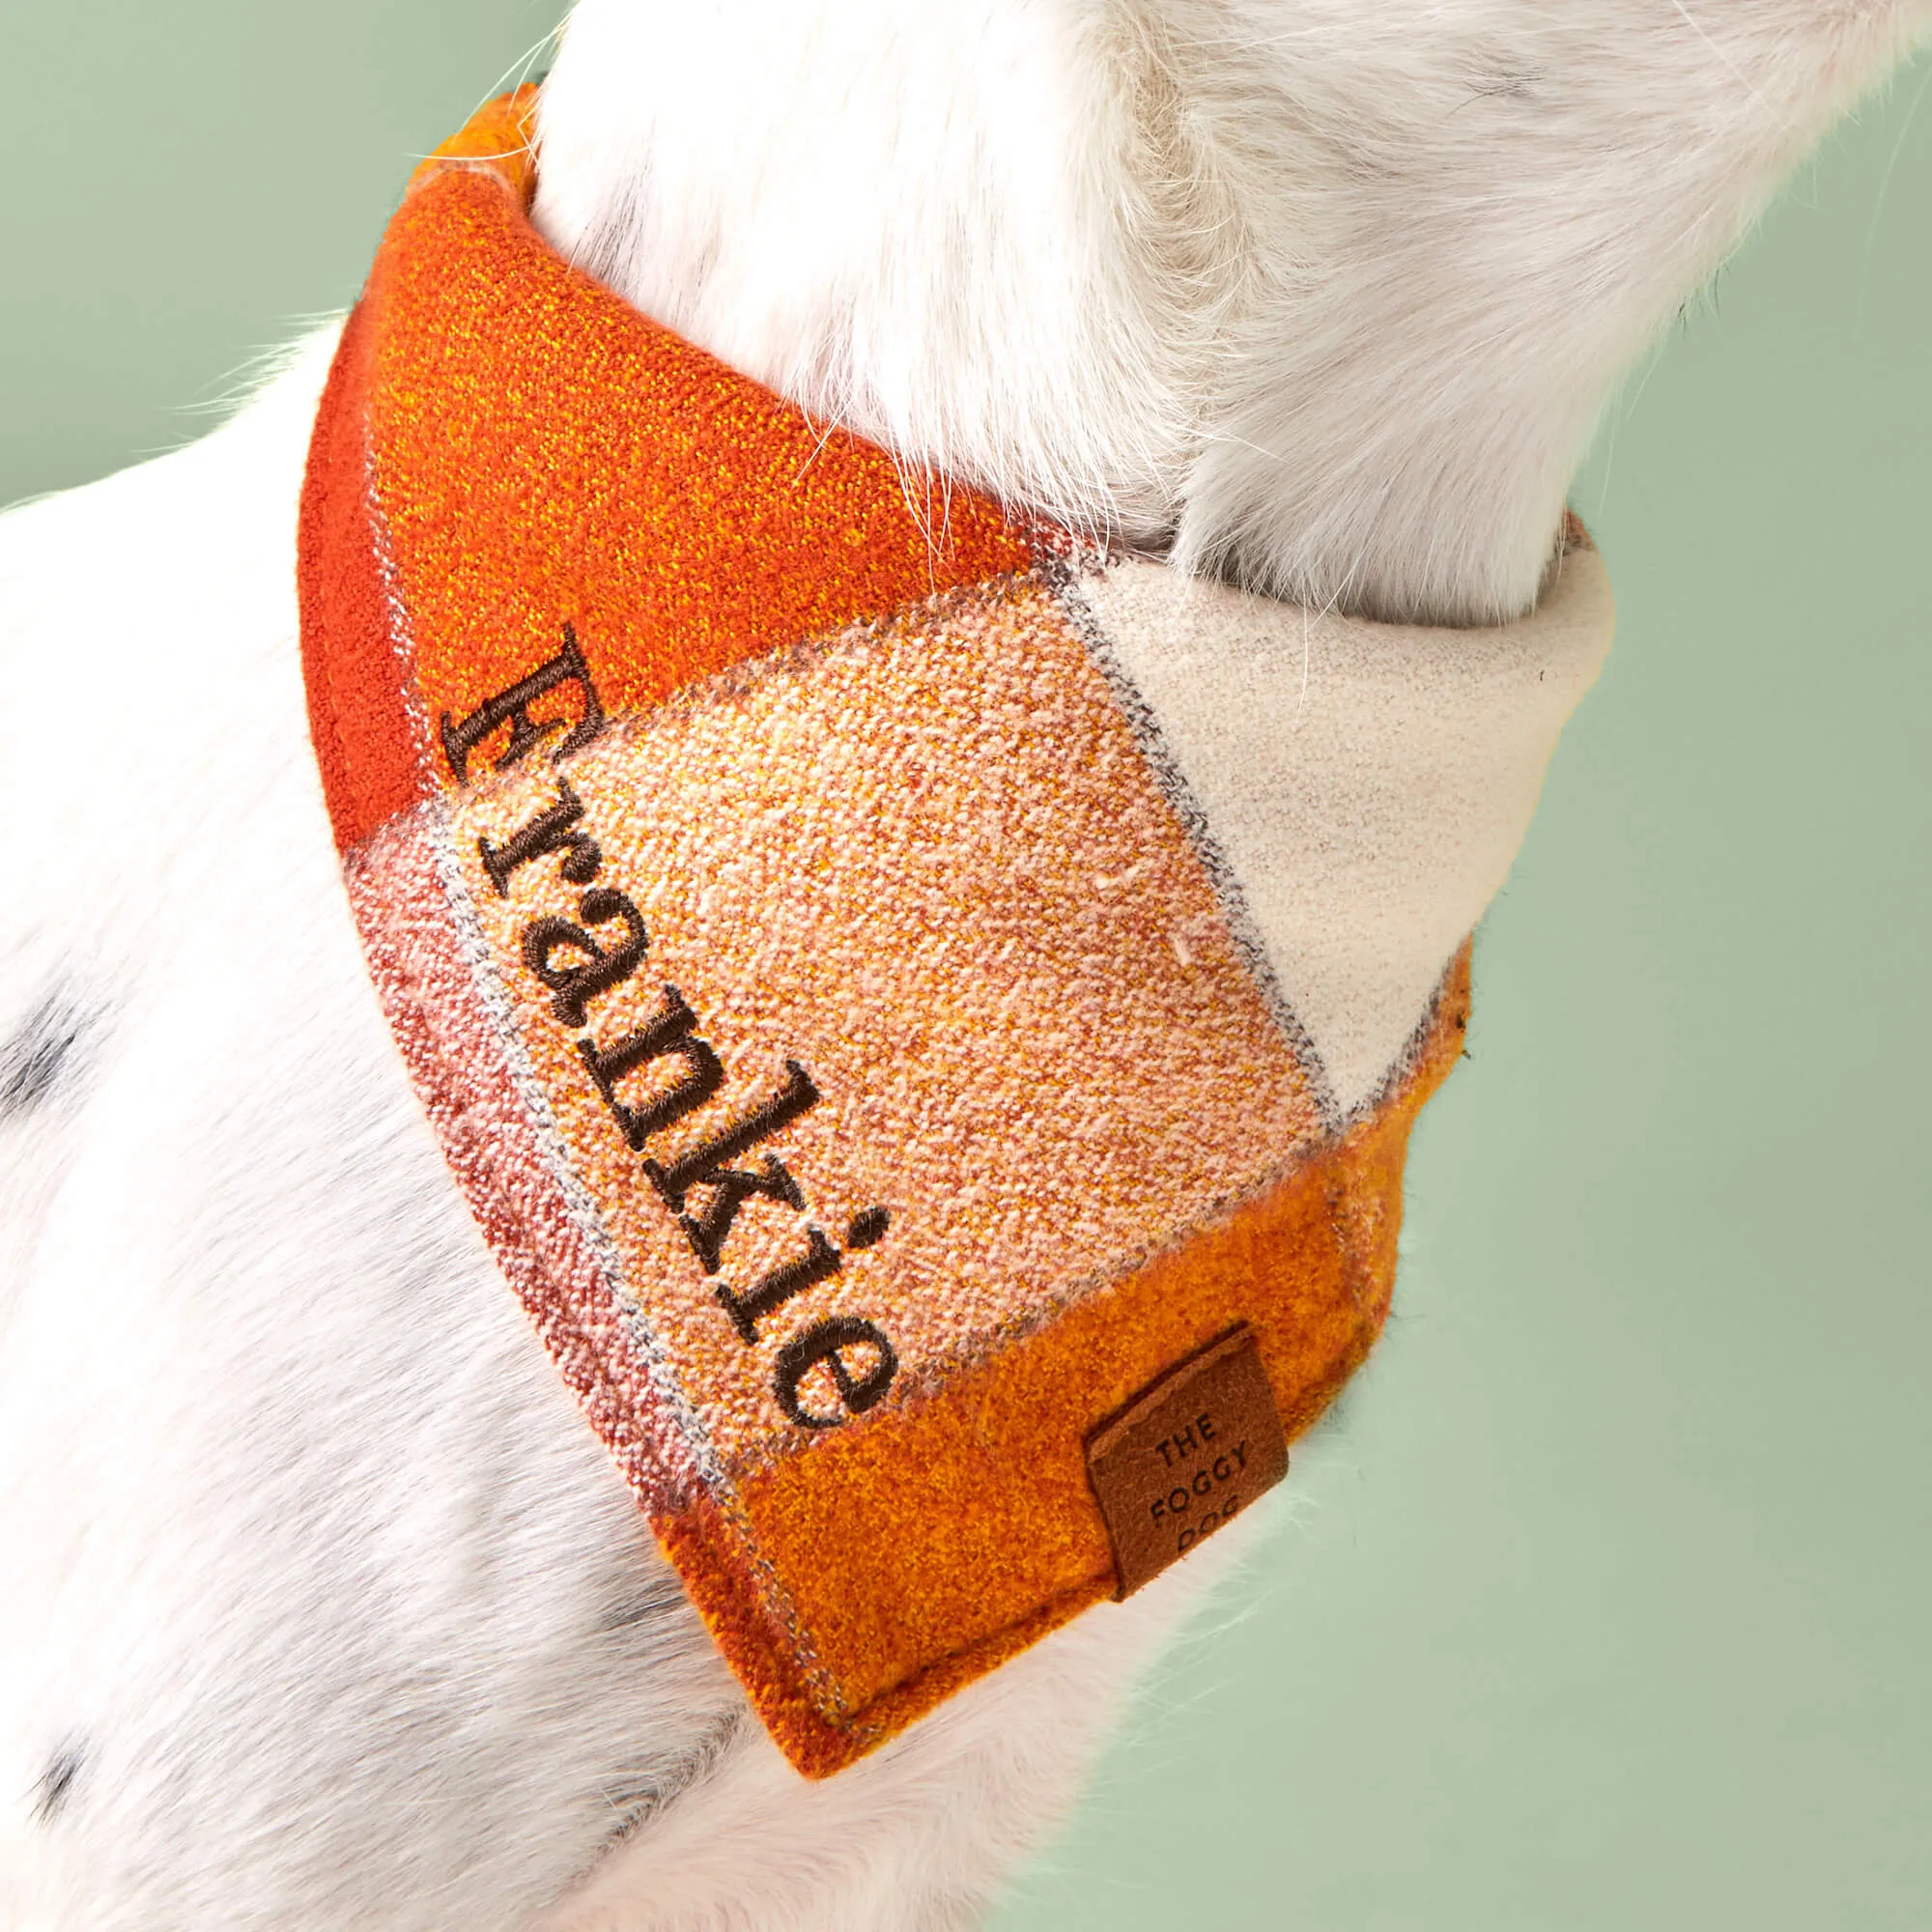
(1323, 297)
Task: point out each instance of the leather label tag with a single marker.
(1182, 1458)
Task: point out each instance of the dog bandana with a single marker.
(927, 1013)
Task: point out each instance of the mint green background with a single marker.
(1606, 1603)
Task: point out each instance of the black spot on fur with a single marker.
(39, 1053)
(57, 1782)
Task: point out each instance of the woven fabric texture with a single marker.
(851, 956)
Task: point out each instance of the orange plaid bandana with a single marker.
(819, 957)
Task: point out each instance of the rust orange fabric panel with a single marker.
(700, 522)
(501, 137)
(961, 1526)
(369, 740)
(957, 1519)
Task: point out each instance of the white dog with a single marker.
(323, 1609)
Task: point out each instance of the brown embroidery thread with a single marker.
(577, 966)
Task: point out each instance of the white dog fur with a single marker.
(323, 1611)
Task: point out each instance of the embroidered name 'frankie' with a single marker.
(839, 1366)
